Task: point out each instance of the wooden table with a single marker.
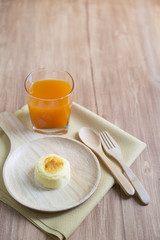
(112, 49)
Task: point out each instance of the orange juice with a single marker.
(49, 103)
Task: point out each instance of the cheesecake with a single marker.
(52, 171)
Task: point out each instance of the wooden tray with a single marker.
(26, 149)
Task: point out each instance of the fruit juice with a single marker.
(49, 103)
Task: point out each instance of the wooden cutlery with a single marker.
(111, 148)
(92, 140)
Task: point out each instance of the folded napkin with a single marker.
(62, 224)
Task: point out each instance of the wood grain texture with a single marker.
(112, 49)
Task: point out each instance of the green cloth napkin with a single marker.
(62, 224)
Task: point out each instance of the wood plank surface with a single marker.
(112, 50)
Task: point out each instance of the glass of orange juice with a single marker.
(49, 98)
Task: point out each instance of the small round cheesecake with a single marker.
(52, 171)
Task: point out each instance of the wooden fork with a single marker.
(111, 148)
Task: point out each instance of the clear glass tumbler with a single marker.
(49, 97)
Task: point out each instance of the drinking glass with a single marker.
(49, 96)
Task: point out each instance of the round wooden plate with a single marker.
(18, 174)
